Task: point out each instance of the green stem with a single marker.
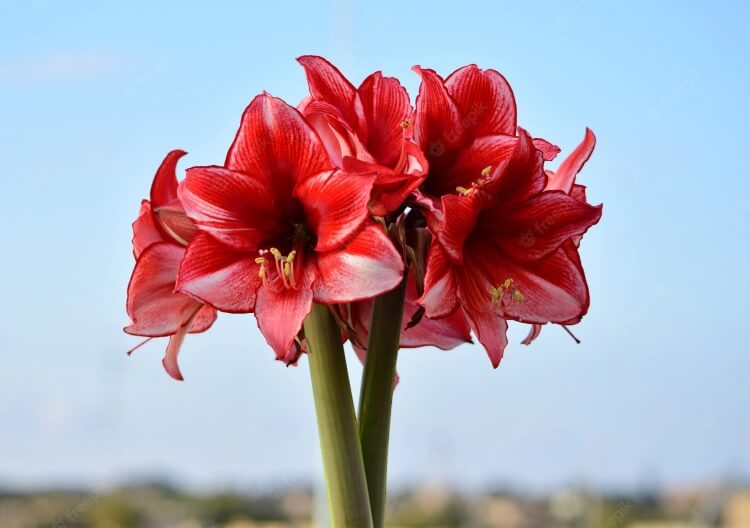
(376, 397)
(337, 424)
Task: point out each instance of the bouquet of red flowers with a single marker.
(357, 216)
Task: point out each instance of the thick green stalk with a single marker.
(376, 396)
(337, 424)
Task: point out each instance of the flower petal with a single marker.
(369, 265)
(485, 100)
(521, 175)
(440, 287)
(233, 207)
(153, 306)
(276, 146)
(565, 176)
(460, 218)
(164, 186)
(437, 122)
(491, 330)
(386, 105)
(280, 314)
(218, 275)
(534, 332)
(145, 231)
(328, 84)
(335, 204)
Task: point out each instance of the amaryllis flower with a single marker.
(564, 179)
(504, 251)
(465, 124)
(365, 130)
(160, 235)
(279, 228)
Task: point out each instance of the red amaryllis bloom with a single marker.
(279, 228)
(465, 124)
(564, 179)
(504, 251)
(160, 234)
(365, 130)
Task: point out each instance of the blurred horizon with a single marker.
(657, 394)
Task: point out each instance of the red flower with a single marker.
(465, 124)
(279, 228)
(504, 250)
(364, 130)
(564, 179)
(160, 234)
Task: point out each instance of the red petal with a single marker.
(276, 146)
(522, 175)
(533, 229)
(460, 217)
(155, 309)
(534, 332)
(369, 265)
(491, 330)
(485, 100)
(440, 287)
(386, 106)
(548, 150)
(551, 290)
(437, 122)
(145, 231)
(280, 315)
(234, 207)
(164, 187)
(218, 275)
(203, 319)
(565, 176)
(335, 205)
(328, 84)
(488, 151)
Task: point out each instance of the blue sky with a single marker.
(91, 98)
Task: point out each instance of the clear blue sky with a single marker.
(93, 96)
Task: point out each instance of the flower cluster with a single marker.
(338, 200)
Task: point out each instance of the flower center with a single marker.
(284, 271)
(505, 290)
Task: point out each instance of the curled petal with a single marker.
(564, 178)
(153, 306)
(164, 186)
(534, 332)
(145, 231)
(218, 275)
(548, 150)
(369, 265)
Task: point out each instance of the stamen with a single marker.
(486, 171)
(405, 124)
(578, 341)
(518, 296)
(463, 191)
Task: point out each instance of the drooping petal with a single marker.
(440, 296)
(233, 207)
(153, 306)
(328, 84)
(533, 229)
(164, 186)
(490, 330)
(277, 146)
(145, 231)
(335, 206)
(218, 275)
(485, 100)
(173, 350)
(203, 320)
(280, 314)
(534, 332)
(565, 176)
(386, 105)
(369, 265)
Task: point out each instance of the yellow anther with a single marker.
(463, 191)
(291, 255)
(486, 171)
(518, 296)
(405, 124)
(287, 269)
(507, 283)
(276, 253)
(260, 260)
(496, 293)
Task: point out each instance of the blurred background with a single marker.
(646, 423)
